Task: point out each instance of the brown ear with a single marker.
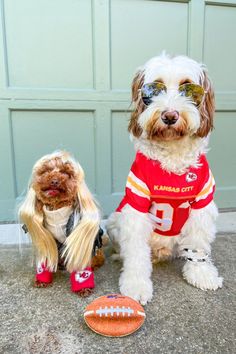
(207, 107)
(137, 83)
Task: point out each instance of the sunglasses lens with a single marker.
(194, 92)
(150, 90)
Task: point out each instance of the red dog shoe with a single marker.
(83, 279)
(43, 275)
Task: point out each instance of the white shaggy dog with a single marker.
(168, 208)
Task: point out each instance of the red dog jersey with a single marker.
(167, 197)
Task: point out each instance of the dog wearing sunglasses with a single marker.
(168, 209)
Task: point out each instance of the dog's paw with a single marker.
(139, 289)
(85, 292)
(40, 284)
(202, 275)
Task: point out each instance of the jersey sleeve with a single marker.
(137, 193)
(206, 190)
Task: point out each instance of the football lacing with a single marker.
(114, 310)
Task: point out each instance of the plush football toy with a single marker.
(114, 315)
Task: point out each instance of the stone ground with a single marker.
(180, 319)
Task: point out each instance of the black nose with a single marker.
(170, 117)
(54, 183)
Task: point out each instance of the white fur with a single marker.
(174, 156)
(172, 70)
(132, 230)
(133, 233)
(198, 233)
(202, 275)
(174, 102)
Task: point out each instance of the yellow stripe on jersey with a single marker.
(139, 188)
(207, 188)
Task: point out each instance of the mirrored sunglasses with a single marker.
(193, 91)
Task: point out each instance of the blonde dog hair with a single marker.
(78, 246)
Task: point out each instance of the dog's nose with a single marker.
(169, 117)
(54, 182)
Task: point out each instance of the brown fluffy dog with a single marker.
(62, 219)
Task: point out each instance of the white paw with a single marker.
(202, 275)
(139, 289)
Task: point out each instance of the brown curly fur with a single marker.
(207, 107)
(58, 177)
(98, 260)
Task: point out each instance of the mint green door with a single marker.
(65, 73)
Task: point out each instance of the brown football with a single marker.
(114, 315)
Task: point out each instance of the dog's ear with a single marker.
(137, 83)
(207, 107)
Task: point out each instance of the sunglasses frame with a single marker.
(159, 87)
